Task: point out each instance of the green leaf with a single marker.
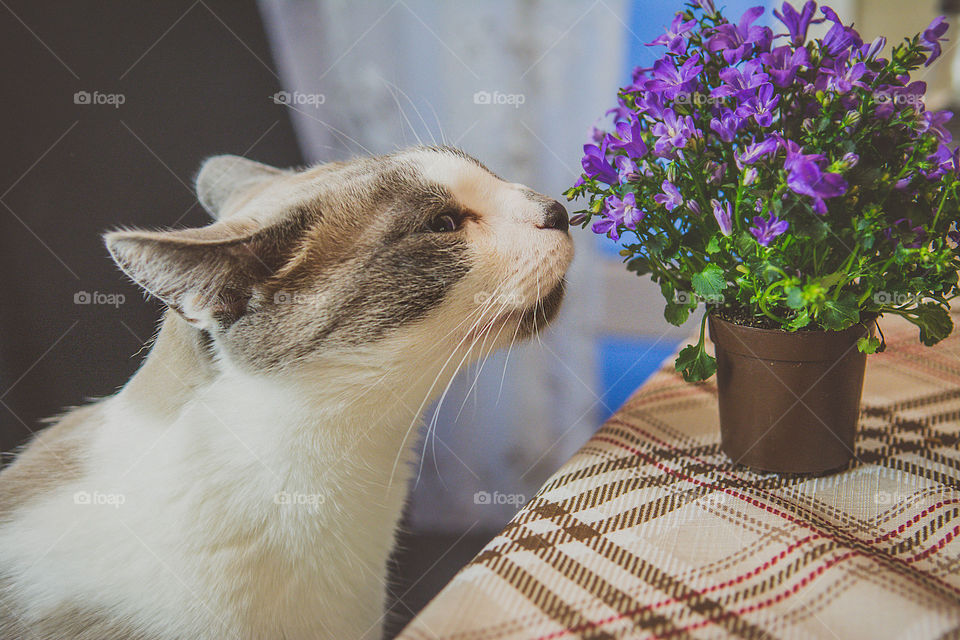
(713, 246)
(868, 345)
(639, 265)
(794, 297)
(676, 314)
(745, 243)
(709, 282)
(666, 288)
(840, 314)
(934, 322)
(656, 244)
(802, 320)
(832, 279)
(695, 364)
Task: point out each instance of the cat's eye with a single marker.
(445, 223)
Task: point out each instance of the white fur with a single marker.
(197, 466)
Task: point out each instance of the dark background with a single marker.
(71, 171)
(196, 78)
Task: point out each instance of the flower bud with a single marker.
(849, 160)
(671, 172)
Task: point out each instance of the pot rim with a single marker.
(791, 346)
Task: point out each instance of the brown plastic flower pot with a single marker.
(789, 401)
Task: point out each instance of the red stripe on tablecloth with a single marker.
(767, 565)
(753, 501)
(749, 500)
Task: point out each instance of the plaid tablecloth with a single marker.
(650, 531)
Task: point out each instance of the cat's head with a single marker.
(423, 249)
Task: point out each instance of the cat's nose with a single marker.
(555, 217)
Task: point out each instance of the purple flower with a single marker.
(735, 40)
(621, 112)
(766, 230)
(670, 198)
(807, 178)
(754, 152)
(839, 38)
(612, 218)
(932, 36)
(630, 138)
(651, 104)
(869, 51)
(797, 22)
(627, 170)
(741, 83)
(715, 171)
(889, 97)
(693, 206)
(673, 133)
(595, 163)
(724, 216)
(726, 125)
(674, 38)
(903, 227)
(750, 176)
(934, 122)
(841, 77)
(596, 134)
(619, 212)
(943, 162)
(672, 81)
(760, 106)
(706, 5)
(783, 63)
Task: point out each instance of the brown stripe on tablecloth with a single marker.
(813, 506)
(887, 410)
(899, 464)
(535, 591)
(925, 361)
(574, 529)
(768, 482)
(826, 529)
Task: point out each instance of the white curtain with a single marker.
(517, 84)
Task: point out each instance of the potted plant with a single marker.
(799, 188)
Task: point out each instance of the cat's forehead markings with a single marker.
(473, 186)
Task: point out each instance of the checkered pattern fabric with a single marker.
(651, 531)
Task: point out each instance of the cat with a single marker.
(247, 482)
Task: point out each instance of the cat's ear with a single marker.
(223, 176)
(206, 275)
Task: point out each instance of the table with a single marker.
(651, 531)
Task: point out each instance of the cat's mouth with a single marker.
(523, 323)
(536, 317)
